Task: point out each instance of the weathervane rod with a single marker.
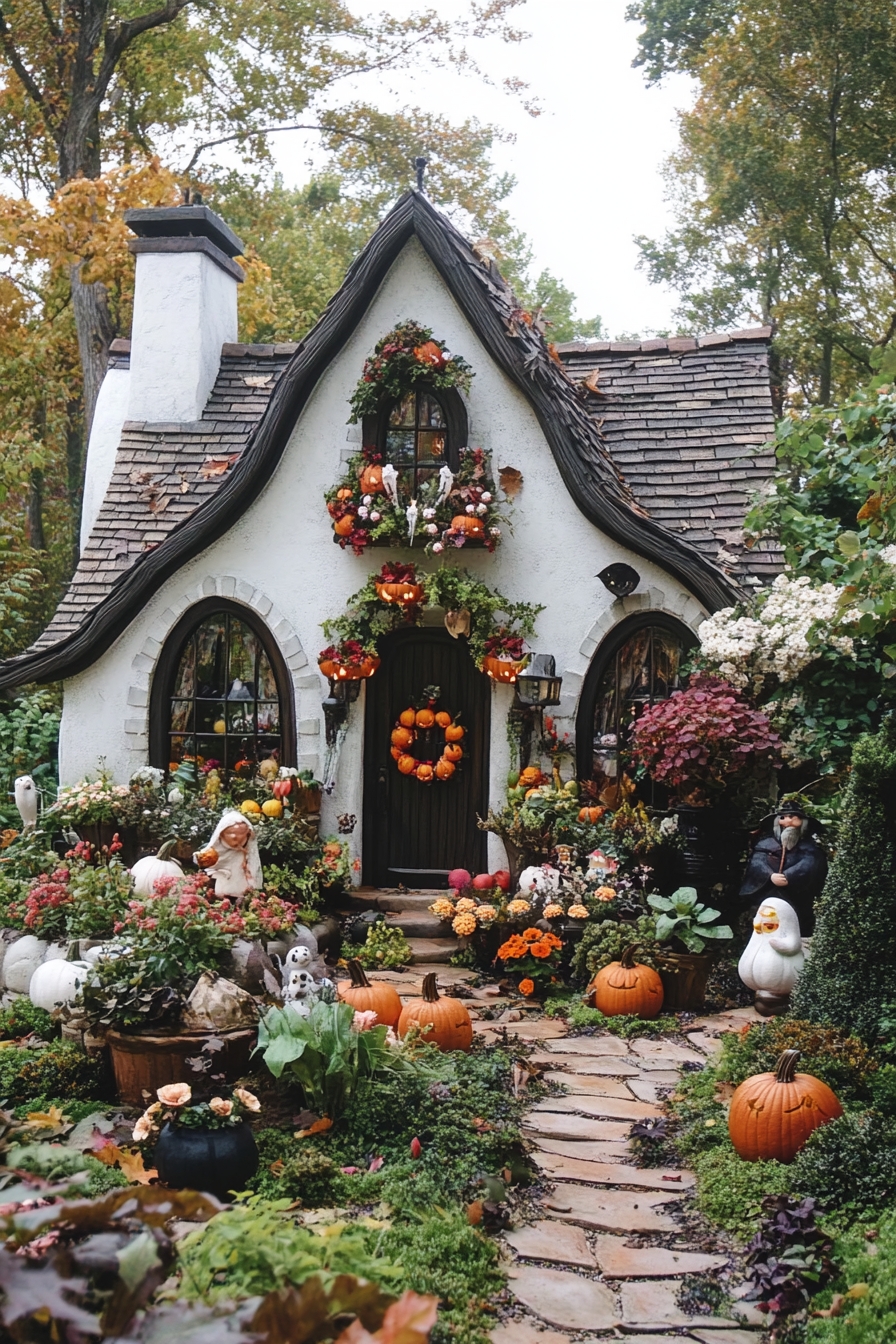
(420, 165)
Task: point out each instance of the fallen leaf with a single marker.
(677, 1177)
(54, 1119)
(319, 1127)
(835, 1309)
(158, 503)
(130, 1161)
(511, 481)
(258, 380)
(416, 1147)
(277, 1168)
(376, 1164)
(474, 1213)
(216, 466)
(590, 383)
(858, 1290)
(724, 1092)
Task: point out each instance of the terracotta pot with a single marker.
(143, 1064)
(684, 976)
(216, 1161)
(502, 669)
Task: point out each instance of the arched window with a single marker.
(637, 665)
(221, 692)
(421, 432)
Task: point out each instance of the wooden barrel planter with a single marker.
(143, 1063)
(684, 976)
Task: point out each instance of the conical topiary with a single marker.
(851, 973)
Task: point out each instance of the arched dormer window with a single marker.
(421, 432)
(221, 692)
(637, 665)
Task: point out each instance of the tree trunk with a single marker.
(35, 511)
(95, 334)
(74, 446)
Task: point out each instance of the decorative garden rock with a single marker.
(231, 857)
(774, 956)
(217, 1004)
(790, 863)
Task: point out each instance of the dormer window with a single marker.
(416, 438)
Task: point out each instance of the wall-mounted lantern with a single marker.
(343, 692)
(537, 688)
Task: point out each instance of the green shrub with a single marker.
(443, 1255)
(868, 1317)
(730, 1191)
(22, 1018)
(581, 1017)
(386, 948)
(605, 942)
(852, 971)
(56, 1163)
(840, 1060)
(60, 1070)
(850, 1163)
(300, 1170)
(883, 1089)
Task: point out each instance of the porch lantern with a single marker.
(344, 691)
(537, 687)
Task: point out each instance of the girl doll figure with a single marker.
(231, 857)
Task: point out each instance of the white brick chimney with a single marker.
(184, 309)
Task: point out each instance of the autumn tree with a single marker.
(785, 180)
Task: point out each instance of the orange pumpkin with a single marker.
(396, 753)
(424, 772)
(357, 671)
(443, 719)
(591, 814)
(454, 733)
(448, 1021)
(402, 737)
(429, 353)
(407, 765)
(345, 525)
(453, 752)
(328, 667)
(530, 778)
(405, 594)
(772, 1114)
(365, 997)
(444, 768)
(425, 718)
(407, 718)
(372, 481)
(344, 493)
(625, 988)
(469, 524)
(502, 669)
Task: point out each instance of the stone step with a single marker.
(408, 900)
(430, 951)
(417, 924)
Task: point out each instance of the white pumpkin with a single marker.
(538, 881)
(774, 956)
(21, 961)
(147, 872)
(57, 982)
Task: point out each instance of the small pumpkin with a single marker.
(402, 737)
(220, 726)
(425, 718)
(372, 480)
(453, 752)
(591, 814)
(424, 772)
(272, 807)
(502, 669)
(345, 525)
(206, 858)
(469, 524)
(407, 765)
(625, 988)
(396, 753)
(444, 768)
(407, 718)
(454, 732)
(772, 1114)
(250, 808)
(328, 666)
(57, 982)
(530, 778)
(448, 1021)
(443, 718)
(405, 594)
(147, 872)
(344, 493)
(365, 997)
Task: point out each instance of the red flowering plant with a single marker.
(505, 644)
(47, 905)
(183, 929)
(705, 741)
(269, 916)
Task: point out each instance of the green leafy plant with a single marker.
(58, 1070)
(606, 941)
(580, 1017)
(842, 1061)
(684, 919)
(29, 743)
(850, 1164)
(385, 948)
(866, 1291)
(23, 1018)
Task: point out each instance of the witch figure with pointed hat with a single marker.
(789, 863)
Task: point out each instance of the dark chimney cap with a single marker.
(184, 221)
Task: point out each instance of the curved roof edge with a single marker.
(488, 304)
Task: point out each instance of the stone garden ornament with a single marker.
(231, 857)
(788, 863)
(774, 956)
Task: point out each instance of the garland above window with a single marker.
(405, 357)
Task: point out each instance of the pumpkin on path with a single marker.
(448, 1021)
(625, 988)
(365, 997)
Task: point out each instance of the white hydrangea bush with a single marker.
(792, 624)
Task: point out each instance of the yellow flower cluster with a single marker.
(486, 913)
(553, 911)
(465, 906)
(577, 912)
(464, 924)
(443, 908)
(518, 907)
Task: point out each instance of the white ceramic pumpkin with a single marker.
(21, 961)
(57, 982)
(147, 872)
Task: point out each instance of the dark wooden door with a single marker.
(416, 833)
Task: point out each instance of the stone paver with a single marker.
(613, 1173)
(525, 1031)
(585, 1151)
(603, 1066)
(528, 1332)
(700, 1040)
(591, 1045)
(586, 1085)
(612, 1210)
(667, 1050)
(555, 1126)
(724, 1336)
(568, 1301)
(619, 1261)
(654, 1304)
(599, 1108)
(549, 1240)
(647, 1089)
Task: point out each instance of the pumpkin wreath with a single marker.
(428, 722)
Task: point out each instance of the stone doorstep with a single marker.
(549, 1240)
(614, 1173)
(568, 1301)
(619, 1261)
(430, 951)
(598, 1108)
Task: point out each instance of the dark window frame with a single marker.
(603, 659)
(376, 428)
(161, 690)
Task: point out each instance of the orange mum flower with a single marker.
(531, 935)
(513, 948)
(527, 987)
(542, 949)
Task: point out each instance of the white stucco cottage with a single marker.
(206, 539)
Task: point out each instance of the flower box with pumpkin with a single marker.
(348, 661)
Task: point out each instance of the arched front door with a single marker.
(415, 833)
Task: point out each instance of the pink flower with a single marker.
(247, 1099)
(218, 1106)
(364, 1021)
(175, 1094)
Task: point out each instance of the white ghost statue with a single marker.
(25, 792)
(390, 483)
(774, 956)
(446, 481)
(411, 513)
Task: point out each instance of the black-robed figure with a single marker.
(787, 863)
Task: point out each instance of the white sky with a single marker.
(588, 169)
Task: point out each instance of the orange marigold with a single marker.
(512, 949)
(527, 987)
(541, 949)
(605, 894)
(531, 935)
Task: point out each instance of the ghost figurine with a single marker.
(231, 857)
(774, 956)
(25, 793)
(446, 481)
(411, 513)
(390, 483)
